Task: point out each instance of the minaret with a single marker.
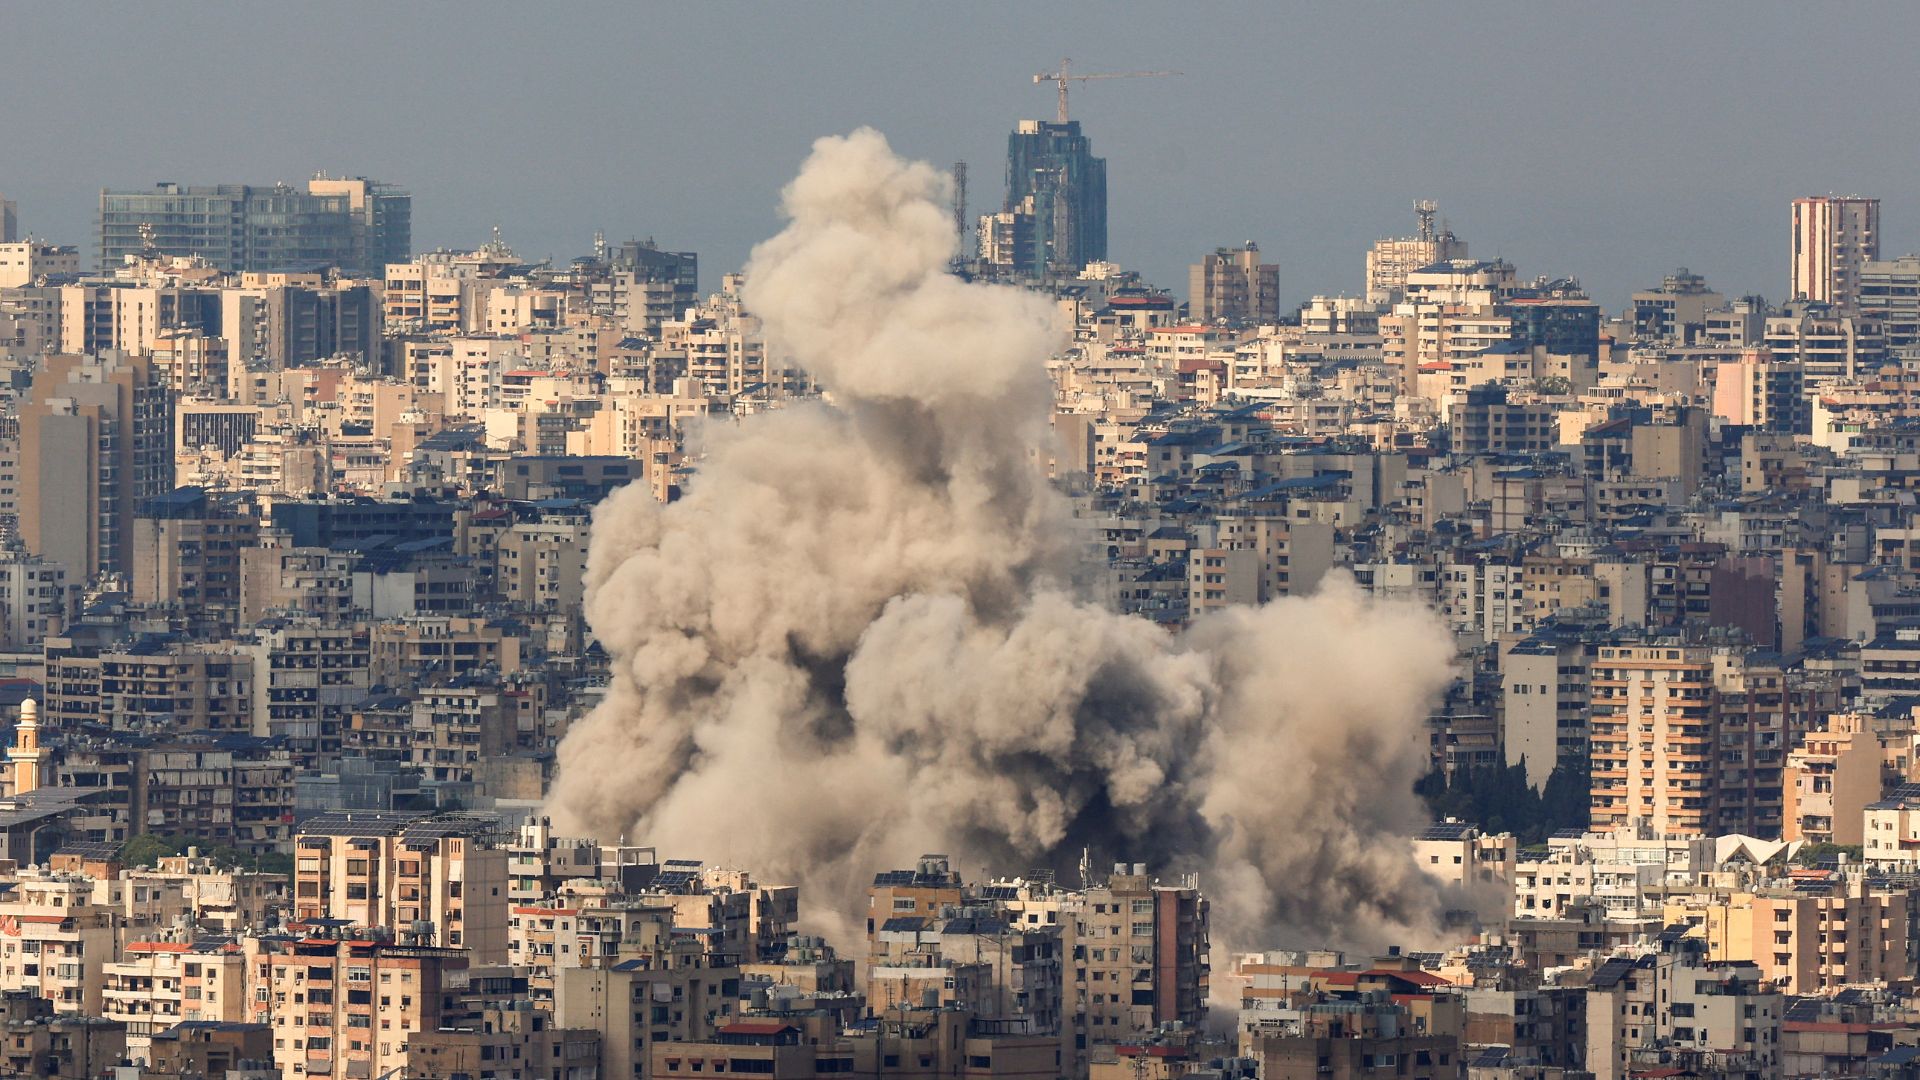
(26, 753)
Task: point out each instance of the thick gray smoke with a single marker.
(859, 638)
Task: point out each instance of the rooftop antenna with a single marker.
(1424, 210)
(1064, 75)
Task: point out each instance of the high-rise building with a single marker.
(358, 225)
(9, 221)
(1054, 163)
(1833, 235)
(95, 442)
(1889, 293)
(1652, 739)
(1232, 283)
(380, 220)
(1390, 261)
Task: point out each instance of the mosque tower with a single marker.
(26, 754)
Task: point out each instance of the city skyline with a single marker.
(1573, 146)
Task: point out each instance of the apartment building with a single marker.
(1653, 738)
(1834, 237)
(29, 262)
(1675, 1009)
(543, 565)
(35, 600)
(439, 878)
(1233, 284)
(906, 1042)
(1831, 778)
(591, 931)
(154, 684)
(307, 671)
(96, 440)
(157, 985)
(58, 943)
(419, 648)
(38, 1041)
(1828, 933)
(637, 1005)
(345, 1008)
(489, 1030)
(1390, 261)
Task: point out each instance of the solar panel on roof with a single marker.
(1446, 830)
(1805, 1010)
(1611, 972)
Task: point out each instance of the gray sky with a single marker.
(1611, 142)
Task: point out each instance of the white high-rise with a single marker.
(1833, 235)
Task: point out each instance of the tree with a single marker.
(147, 849)
(1498, 799)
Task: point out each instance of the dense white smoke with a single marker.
(860, 637)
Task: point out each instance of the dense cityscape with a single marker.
(932, 649)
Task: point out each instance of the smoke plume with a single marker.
(862, 633)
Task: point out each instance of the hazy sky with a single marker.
(1611, 142)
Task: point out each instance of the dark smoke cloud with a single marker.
(858, 637)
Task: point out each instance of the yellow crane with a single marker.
(1065, 75)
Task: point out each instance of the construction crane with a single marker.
(1065, 75)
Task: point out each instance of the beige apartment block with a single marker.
(158, 984)
(1653, 743)
(1833, 237)
(345, 1008)
(439, 880)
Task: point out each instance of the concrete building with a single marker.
(1758, 390)
(211, 1049)
(1390, 261)
(187, 549)
(1830, 779)
(1465, 857)
(152, 685)
(443, 879)
(36, 1042)
(1233, 284)
(1821, 935)
(344, 1008)
(1676, 311)
(357, 225)
(1829, 342)
(30, 262)
(158, 985)
(96, 440)
(1652, 732)
(35, 600)
(543, 565)
(307, 672)
(1834, 237)
(645, 1002)
(1676, 1009)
